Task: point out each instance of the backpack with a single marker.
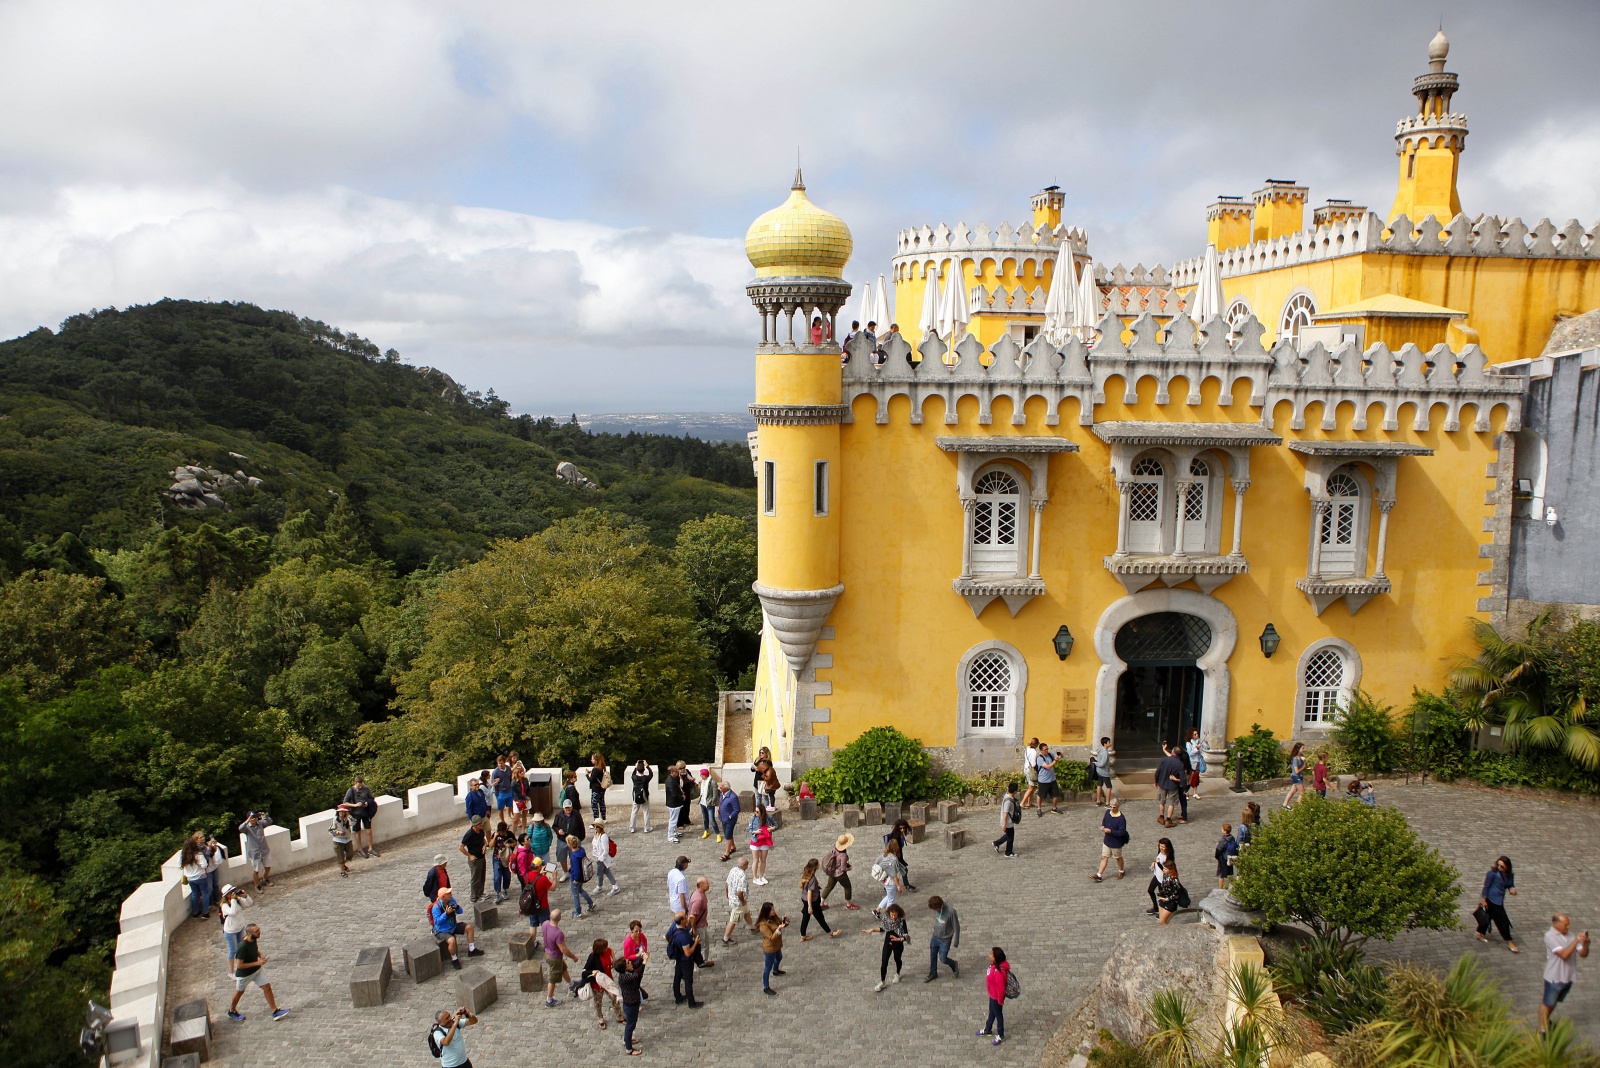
(434, 1034)
(605, 778)
(1013, 985)
(588, 871)
(528, 903)
(877, 872)
(611, 847)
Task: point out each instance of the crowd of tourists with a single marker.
(507, 840)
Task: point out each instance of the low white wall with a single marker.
(154, 910)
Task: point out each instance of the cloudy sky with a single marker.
(550, 198)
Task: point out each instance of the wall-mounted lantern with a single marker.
(1063, 642)
(1269, 641)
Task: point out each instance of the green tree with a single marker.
(579, 638)
(1343, 868)
(44, 996)
(718, 557)
(58, 628)
(1510, 679)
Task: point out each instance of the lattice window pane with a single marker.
(996, 482)
(982, 522)
(1194, 505)
(1325, 669)
(989, 673)
(1144, 502)
(1148, 465)
(1005, 532)
(1198, 468)
(1164, 636)
(1344, 524)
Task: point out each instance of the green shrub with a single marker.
(1443, 747)
(1348, 870)
(881, 765)
(1262, 756)
(1367, 733)
(947, 785)
(825, 784)
(1541, 769)
(1332, 983)
(1073, 775)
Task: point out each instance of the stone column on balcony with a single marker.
(1239, 486)
(1033, 545)
(1384, 508)
(1181, 519)
(967, 505)
(1123, 489)
(1319, 516)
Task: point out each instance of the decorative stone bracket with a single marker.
(796, 617)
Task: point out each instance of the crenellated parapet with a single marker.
(1030, 247)
(1485, 236)
(1181, 351)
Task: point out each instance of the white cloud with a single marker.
(1551, 171)
(517, 298)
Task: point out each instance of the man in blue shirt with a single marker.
(446, 925)
(477, 804)
(447, 1036)
(728, 812)
(1048, 789)
(682, 943)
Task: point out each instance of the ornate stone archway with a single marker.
(1213, 665)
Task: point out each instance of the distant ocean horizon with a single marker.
(708, 426)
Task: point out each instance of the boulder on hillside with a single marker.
(1183, 956)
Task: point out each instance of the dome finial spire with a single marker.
(1438, 49)
(799, 180)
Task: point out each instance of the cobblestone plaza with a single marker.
(1042, 908)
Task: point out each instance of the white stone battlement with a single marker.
(1485, 235)
(919, 240)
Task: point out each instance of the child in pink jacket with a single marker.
(995, 983)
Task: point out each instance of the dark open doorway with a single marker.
(1160, 695)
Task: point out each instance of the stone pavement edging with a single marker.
(155, 909)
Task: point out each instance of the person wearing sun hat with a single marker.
(540, 837)
(837, 868)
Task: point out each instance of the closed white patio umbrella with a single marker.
(1086, 315)
(930, 303)
(880, 307)
(954, 313)
(1206, 302)
(864, 314)
(1060, 307)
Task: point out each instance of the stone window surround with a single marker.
(1213, 665)
(1012, 734)
(1027, 459)
(1304, 731)
(1381, 463)
(1226, 464)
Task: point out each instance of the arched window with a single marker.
(989, 693)
(1530, 465)
(1197, 508)
(995, 518)
(1297, 313)
(1146, 502)
(1324, 686)
(1342, 546)
(1237, 315)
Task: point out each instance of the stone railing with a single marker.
(156, 909)
(1485, 235)
(1178, 351)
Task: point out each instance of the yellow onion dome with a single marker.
(797, 239)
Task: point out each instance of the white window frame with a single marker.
(1238, 313)
(769, 487)
(1299, 309)
(819, 488)
(1018, 566)
(1163, 485)
(1015, 711)
(1358, 533)
(1348, 685)
(1201, 536)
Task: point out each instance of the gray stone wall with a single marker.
(1556, 564)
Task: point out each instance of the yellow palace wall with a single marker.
(900, 631)
(1512, 302)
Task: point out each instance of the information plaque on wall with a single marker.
(1075, 717)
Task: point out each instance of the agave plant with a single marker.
(1509, 682)
(1176, 1038)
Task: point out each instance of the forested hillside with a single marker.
(363, 567)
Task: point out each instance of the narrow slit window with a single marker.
(820, 491)
(769, 488)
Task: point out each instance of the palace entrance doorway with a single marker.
(1161, 693)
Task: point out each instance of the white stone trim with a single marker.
(974, 742)
(1347, 688)
(1213, 665)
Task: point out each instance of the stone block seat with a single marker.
(919, 811)
(424, 959)
(949, 812)
(530, 976)
(191, 1029)
(955, 837)
(872, 814)
(182, 1060)
(919, 830)
(851, 815)
(487, 916)
(808, 808)
(891, 812)
(369, 978)
(524, 944)
(478, 989)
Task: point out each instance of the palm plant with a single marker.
(1176, 1037)
(1509, 682)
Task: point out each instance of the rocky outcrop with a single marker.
(567, 471)
(1221, 910)
(1180, 956)
(197, 488)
